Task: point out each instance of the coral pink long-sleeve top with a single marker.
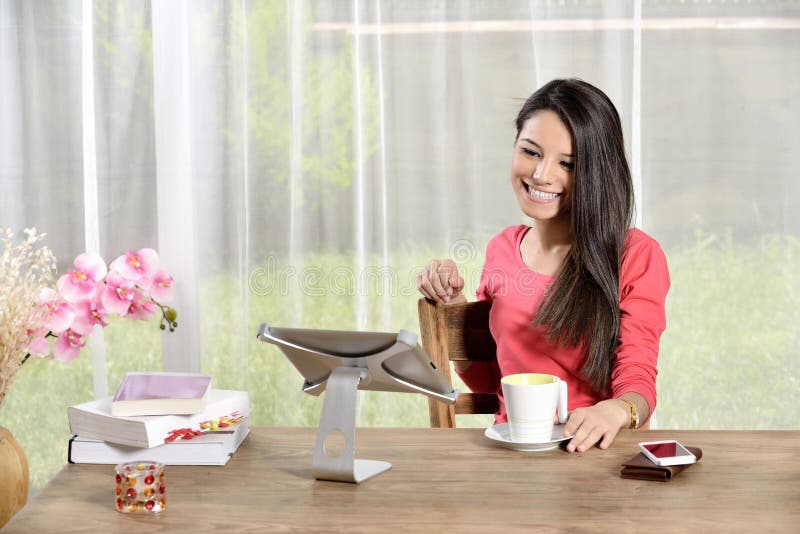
(516, 292)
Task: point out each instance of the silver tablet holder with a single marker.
(342, 375)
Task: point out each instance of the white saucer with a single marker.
(502, 435)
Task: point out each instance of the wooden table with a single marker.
(453, 480)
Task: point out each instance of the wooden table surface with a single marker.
(447, 479)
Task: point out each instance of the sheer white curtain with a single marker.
(297, 162)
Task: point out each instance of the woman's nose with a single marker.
(542, 172)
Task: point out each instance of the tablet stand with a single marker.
(352, 361)
(339, 415)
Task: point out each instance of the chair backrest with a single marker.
(457, 332)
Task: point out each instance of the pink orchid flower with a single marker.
(39, 345)
(80, 283)
(141, 308)
(118, 295)
(89, 313)
(136, 265)
(68, 346)
(60, 313)
(161, 288)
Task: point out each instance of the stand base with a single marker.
(338, 420)
(362, 470)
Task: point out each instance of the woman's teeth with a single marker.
(539, 194)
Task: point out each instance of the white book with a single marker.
(94, 420)
(211, 448)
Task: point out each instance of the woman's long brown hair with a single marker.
(583, 303)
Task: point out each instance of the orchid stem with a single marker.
(168, 316)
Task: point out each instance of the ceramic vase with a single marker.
(14, 475)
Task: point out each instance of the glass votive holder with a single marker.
(140, 487)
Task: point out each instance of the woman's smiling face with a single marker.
(542, 167)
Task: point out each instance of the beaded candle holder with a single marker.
(140, 487)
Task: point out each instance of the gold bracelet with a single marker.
(634, 414)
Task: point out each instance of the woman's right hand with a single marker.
(440, 282)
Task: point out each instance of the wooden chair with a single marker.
(457, 332)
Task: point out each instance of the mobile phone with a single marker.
(667, 452)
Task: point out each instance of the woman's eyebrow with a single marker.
(537, 145)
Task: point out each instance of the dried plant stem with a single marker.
(26, 267)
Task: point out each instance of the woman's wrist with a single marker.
(622, 412)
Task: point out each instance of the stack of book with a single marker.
(173, 418)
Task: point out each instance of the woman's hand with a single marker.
(593, 423)
(440, 281)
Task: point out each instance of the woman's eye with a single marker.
(530, 152)
(568, 165)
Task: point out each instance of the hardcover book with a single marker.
(161, 394)
(208, 448)
(94, 420)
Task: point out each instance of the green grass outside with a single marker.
(728, 360)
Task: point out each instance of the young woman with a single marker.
(577, 294)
